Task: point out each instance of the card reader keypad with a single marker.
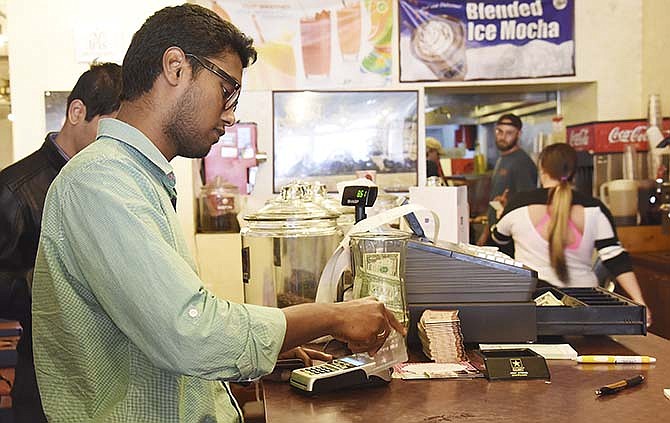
(342, 364)
(334, 366)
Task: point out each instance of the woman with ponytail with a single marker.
(556, 229)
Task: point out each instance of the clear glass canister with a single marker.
(218, 207)
(285, 247)
(379, 269)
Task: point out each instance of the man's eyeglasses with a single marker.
(229, 96)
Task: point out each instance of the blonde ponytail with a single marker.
(560, 202)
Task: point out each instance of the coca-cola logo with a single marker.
(579, 138)
(637, 134)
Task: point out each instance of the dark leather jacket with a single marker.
(23, 189)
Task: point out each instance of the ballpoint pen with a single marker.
(615, 387)
(616, 359)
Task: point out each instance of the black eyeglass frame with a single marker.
(230, 98)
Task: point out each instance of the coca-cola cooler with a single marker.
(613, 150)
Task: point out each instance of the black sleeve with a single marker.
(14, 296)
(615, 259)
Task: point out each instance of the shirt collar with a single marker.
(51, 136)
(128, 134)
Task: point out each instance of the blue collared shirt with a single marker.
(51, 136)
(123, 328)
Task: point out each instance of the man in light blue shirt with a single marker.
(123, 328)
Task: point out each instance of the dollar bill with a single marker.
(387, 290)
(548, 299)
(386, 265)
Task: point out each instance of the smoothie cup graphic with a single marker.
(381, 31)
(349, 30)
(315, 40)
(440, 43)
(275, 67)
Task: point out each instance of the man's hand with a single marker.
(305, 354)
(285, 362)
(499, 203)
(365, 324)
(481, 241)
(502, 197)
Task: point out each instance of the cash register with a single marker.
(494, 295)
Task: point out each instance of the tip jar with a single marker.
(379, 269)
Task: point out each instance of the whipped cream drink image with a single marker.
(440, 43)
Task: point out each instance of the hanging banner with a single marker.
(492, 39)
(314, 44)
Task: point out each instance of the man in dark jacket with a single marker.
(23, 188)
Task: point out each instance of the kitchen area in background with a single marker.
(464, 124)
(617, 161)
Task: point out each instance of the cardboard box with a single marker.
(451, 206)
(610, 136)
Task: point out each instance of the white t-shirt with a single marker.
(533, 250)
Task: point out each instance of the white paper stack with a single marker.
(441, 337)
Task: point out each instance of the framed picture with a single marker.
(331, 136)
(55, 105)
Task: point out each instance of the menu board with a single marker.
(319, 44)
(494, 39)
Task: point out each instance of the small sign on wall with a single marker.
(100, 44)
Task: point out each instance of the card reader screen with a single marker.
(353, 360)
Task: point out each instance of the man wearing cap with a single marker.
(514, 171)
(434, 151)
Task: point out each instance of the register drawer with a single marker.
(592, 311)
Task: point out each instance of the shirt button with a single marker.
(193, 312)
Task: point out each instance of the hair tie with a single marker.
(564, 179)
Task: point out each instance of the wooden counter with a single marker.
(644, 238)
(653, 273)
(568, 398)
(649, 247)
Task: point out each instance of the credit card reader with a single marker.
(354, 370)
(346, 372)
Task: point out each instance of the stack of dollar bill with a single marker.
(548, 299)
(441, 337)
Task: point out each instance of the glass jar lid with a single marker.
(295, 203)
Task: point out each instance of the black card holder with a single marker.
(518, 364)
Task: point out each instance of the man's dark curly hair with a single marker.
(194, 29)
(99, 89)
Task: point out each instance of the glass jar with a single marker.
(379, 269)
(285, 247)
(218, 207)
